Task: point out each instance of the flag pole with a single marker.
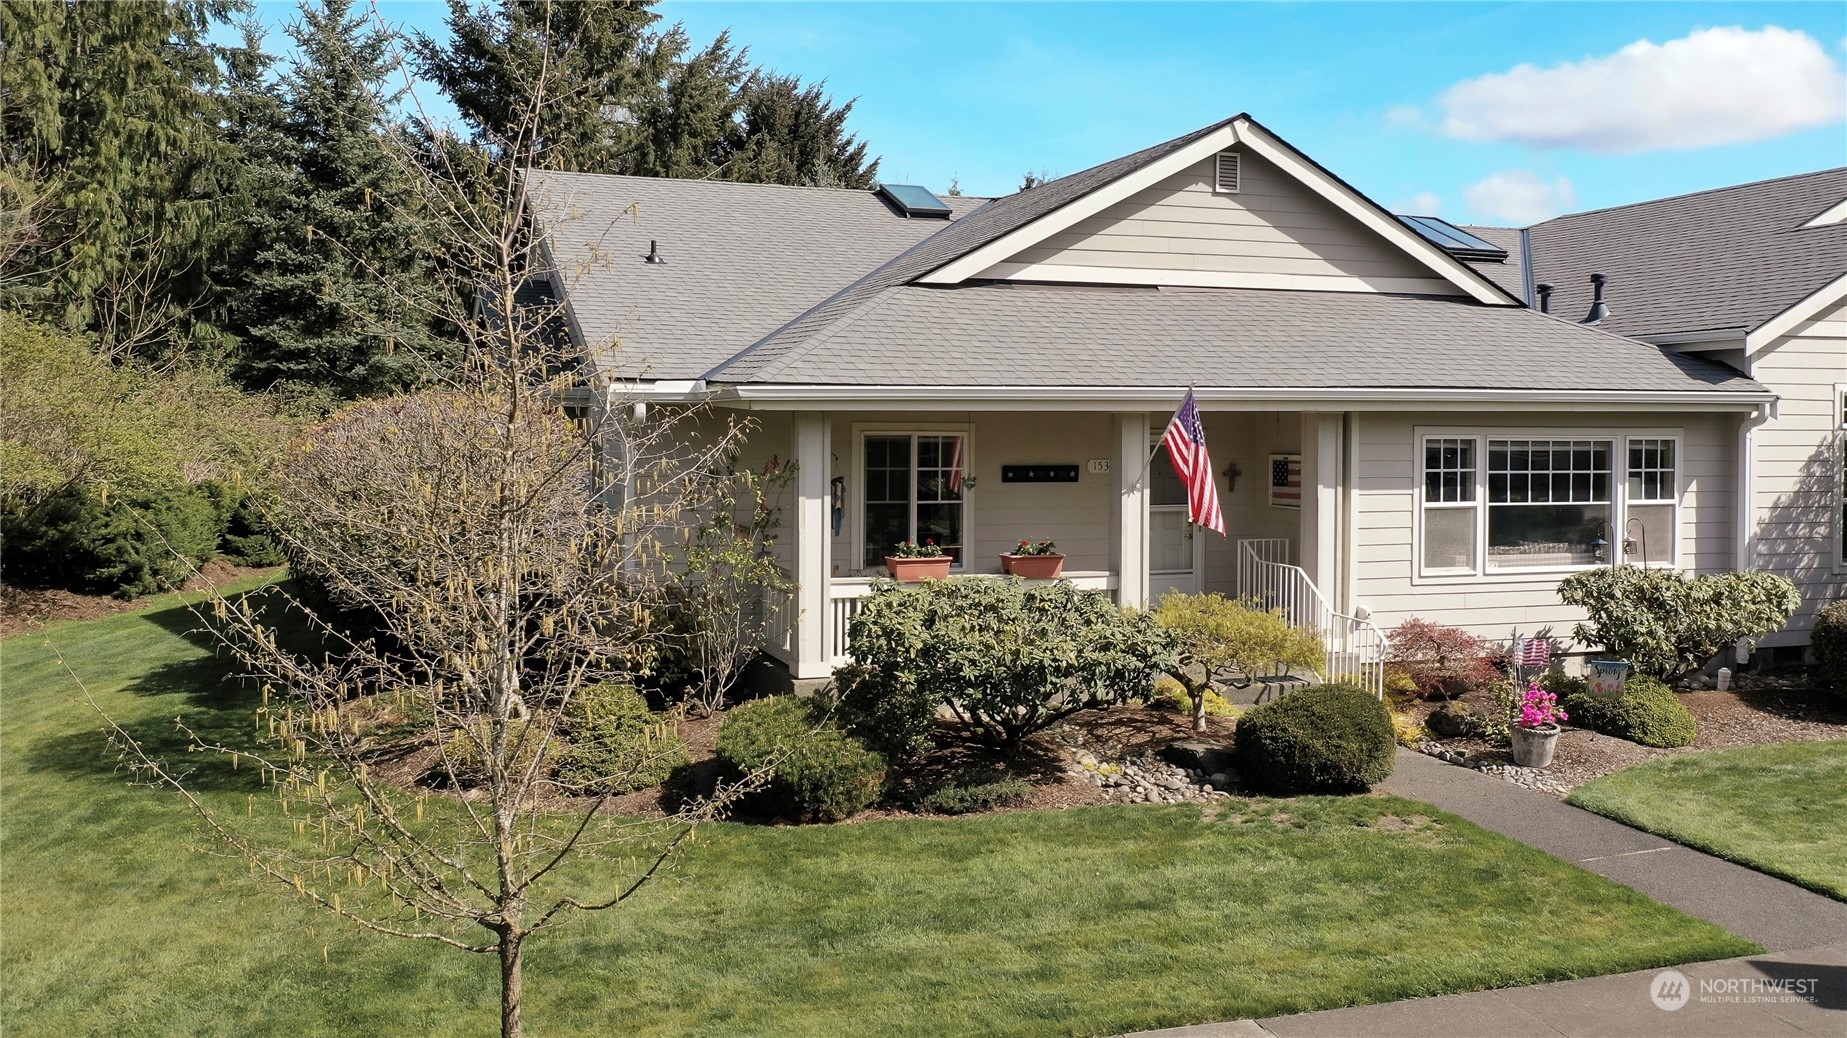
(1148, 465)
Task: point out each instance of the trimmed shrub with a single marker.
(617, 745)
(960, 798)
(1667, 624)
(1441, 662)
(1333, 738)
(1647, 713)
(815, 771)
(889, 712)
(1829, 643)
(1008, 659)
(129, 545)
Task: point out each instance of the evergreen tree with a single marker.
(621, 96)
(574, 74)
(339, 295)
(115, 109)
(793, 134)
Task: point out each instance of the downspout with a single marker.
(1745, 548)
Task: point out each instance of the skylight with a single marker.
(911, 200)
(1454, 240)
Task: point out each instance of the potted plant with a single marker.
(1034, 560)
(910, 561)
(1535, 734)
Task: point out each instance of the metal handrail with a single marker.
(1355, 647)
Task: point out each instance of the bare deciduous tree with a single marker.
(504, 531)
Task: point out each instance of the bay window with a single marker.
(1507, 504)
(914, 485)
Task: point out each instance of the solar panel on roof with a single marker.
(912, 200)
(1452, 239)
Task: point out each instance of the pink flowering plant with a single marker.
(1027, 547)
(1539, 708)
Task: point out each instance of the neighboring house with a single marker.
(1383, 408)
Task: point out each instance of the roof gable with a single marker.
(1250, 138)
(1272, 232)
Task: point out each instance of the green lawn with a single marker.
(1089, 921)
(1776, 808)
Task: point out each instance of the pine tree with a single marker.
(338, 298)
(115, 109)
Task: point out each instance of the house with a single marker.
(1398, 428)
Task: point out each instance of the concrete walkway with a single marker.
(1804, 932)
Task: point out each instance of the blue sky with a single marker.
(1500, 113)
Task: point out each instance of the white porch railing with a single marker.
(779, 614)
(847, 595)
(1355, 647)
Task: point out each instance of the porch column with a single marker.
(1320, 552)
(1129, 556)
(813, 545)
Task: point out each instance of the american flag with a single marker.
(955, 467)
(1185, 441)
(1536, 654)
(1286, 480)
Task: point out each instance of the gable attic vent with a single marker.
(1225, 173)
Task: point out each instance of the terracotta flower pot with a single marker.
(1034, 567)
(1533, 746)
(909, 571)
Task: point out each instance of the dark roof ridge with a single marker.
(1686, 195)
(530, 171)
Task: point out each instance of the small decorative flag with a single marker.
(1536, 654)
(955, 466)
(1185, 441)
(1286, 480)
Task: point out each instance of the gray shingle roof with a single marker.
(987, 224)
(1731, 258)
(1043, 335)
(1509, 274)
(742, 259)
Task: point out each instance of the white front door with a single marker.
(1175, 552)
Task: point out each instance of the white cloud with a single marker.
(1518, 197)
(1424, 203)
(1714, 86)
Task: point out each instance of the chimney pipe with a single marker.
(1598, 309)
(654, 254)
(1545, 298)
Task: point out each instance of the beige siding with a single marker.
(1798, 467)
(1247, 440)
(1273, 229)
(1385, 475)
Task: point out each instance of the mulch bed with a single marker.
(27, 609)
(1764, 709)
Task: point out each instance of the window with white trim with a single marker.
(1450, 512)
(914, 484)
(1549, 502)
(1508, 504)
(1649, 511)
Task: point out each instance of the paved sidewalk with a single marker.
(1778, 915)
(1804, 932)
(1616, 1006)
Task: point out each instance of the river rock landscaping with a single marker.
(1777, 707)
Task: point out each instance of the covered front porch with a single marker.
(1095, 483)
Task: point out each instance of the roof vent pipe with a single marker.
(1598, 310)
(654, 254)
(1545, 298)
